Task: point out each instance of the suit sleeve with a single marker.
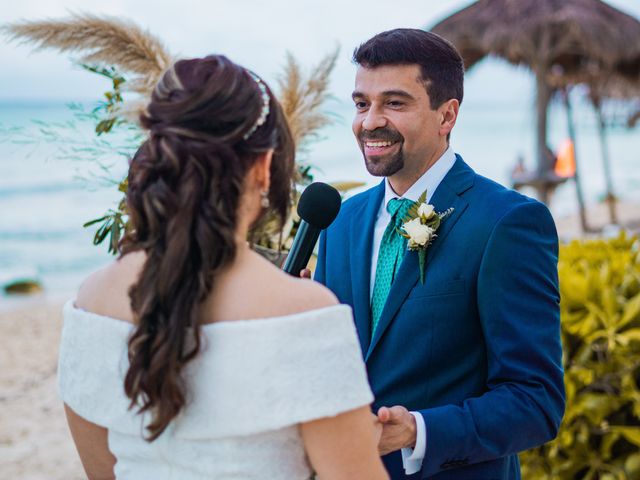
(320, 272)
(518, 305)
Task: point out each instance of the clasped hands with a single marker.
(395, 426)
(396, 429)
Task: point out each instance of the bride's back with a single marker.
(191, 356)
(257, 377)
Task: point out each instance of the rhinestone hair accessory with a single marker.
(264, 113)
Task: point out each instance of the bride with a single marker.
(191, 356)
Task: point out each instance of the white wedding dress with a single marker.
(251, 386)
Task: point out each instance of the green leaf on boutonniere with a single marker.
(413, 209)
(420, 226)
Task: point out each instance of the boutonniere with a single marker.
(420, 226)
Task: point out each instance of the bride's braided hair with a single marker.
(185, 184)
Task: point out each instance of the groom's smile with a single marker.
(379, 147)
(382, 142)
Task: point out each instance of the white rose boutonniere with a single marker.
(426, 211)
(417, 233)
(420, 226)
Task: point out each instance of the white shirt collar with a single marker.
(429, 181)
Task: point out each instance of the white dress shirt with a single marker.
(411, 457)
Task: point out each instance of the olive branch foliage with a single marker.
(133, 60)
(302, 95)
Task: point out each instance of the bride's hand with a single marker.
(399, 429)
(306, 273)
(377, 427)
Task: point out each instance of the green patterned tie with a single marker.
(392, 248)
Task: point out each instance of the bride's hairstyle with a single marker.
(207, 128)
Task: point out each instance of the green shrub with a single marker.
(600, 317)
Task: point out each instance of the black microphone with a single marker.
(318, 206)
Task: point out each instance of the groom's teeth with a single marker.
(378, 144)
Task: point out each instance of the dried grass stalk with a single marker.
(132, 50)
(302, 98)
(100, 40)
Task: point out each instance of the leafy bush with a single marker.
(600, 317)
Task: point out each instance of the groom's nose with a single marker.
(373, 119)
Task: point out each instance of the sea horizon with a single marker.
(46, 197)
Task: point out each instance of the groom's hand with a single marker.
(398, 429)
(306, 273)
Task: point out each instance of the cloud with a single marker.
(253, 33)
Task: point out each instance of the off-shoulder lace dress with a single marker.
(251, 386)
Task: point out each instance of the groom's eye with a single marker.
(360, 105)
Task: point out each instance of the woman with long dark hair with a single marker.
(191, 356)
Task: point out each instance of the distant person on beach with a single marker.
(459, 324)
(191, 356)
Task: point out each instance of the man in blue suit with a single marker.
(465, 366)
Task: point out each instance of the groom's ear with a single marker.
(448, 114)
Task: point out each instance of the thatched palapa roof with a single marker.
(583, 37)
(564, 42)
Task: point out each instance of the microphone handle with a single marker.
(302, 248)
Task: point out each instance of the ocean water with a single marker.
(50, 186)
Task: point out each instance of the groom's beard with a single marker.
(383, 165)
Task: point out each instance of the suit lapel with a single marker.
(362, 226)
(444, 198)
(457, 180)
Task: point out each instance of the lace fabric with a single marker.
(251, 386)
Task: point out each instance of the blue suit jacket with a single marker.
(476, 348)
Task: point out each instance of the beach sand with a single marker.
(598, 219)
(34, 440)
(35, 443)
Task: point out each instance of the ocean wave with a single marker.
(38, 236)
(39, 189)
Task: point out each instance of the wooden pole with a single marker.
(543, 96)
(576, 177)
(606, 163)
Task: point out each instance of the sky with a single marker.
(253, 33)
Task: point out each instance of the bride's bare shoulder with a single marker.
(299, 294)
(316, 294)
(105, 291)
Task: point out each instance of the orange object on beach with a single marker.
(566, 162)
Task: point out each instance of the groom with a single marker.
(465, 366)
